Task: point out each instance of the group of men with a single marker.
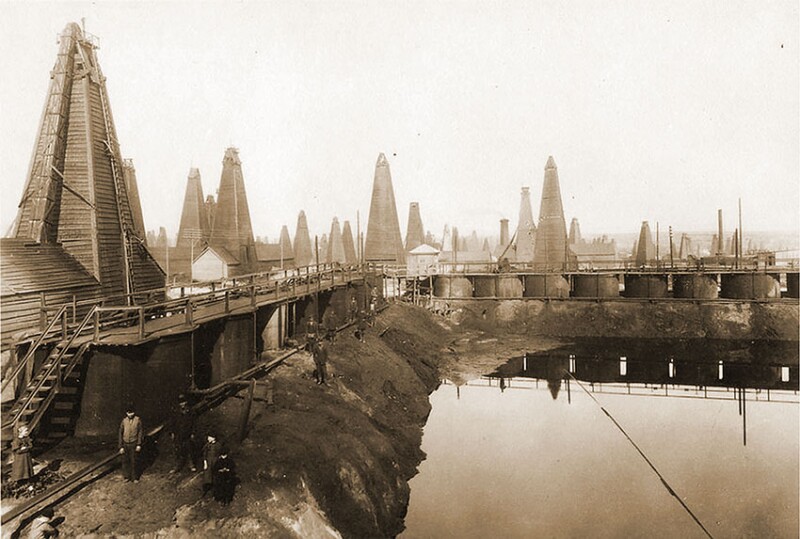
(219, 469)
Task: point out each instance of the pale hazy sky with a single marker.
(659, 111)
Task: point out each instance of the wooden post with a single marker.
(42, 312)
(280, 325)
(227, 301)
(64, 325)
(74, 308)
(96, 326)
(141, 322)
(246, 410)
(189, 313)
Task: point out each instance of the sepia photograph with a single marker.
(363, 269)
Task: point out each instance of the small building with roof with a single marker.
(423, 261)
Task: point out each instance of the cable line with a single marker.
(652, 466)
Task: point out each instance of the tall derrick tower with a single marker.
(550, 250)
(525, 237)
(232, 229)
(303, 255)
(415, 234)
(349, 246)
(76, 194)
(383, 243)
(194, 228)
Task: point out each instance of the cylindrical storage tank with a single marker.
(441, 286)
(750, 286)
(793, 285)
(641, 285)
(509, 286)
(695, 286)
(485, 286)
(446, 286)
(596, 285)
(551, 285)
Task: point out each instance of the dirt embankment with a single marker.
(321, 461)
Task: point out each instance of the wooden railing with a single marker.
(226, 293)
(61, 315)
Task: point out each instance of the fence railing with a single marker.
(223, 293)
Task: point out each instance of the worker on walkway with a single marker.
(131, 435)
(183, 437)
(320, 353)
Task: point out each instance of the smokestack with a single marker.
(720, 237)
(503, 232)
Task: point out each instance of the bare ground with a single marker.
(322, 461)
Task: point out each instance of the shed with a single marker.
(422, 261)
(214, 263)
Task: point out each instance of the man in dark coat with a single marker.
(353, 310)
(210, 455)
(329, 324)
(131, 435)
(320, 353)
(224, 477)
(361, 326)
(183, 438)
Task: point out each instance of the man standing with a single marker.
(210, 455)
(353, 311)
(361, 327)
(320, 361)
(183, 437)
(329, 324)
(131, 434)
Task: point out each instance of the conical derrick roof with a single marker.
(383, 243)
(575, 232)
(335, 251)
(286, 243)
(685, 248)
(350, 255)
(550, 250)
(303, 250)
(323, 248)
(447, 239)
(526, 229)
(76, 194)
(473, 243)
(194, 228)
(645, 248)
(232, 230)
(129, 173)
(415, 234)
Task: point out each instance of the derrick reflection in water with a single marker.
(760, 366)
(507, 460)
(691, 369)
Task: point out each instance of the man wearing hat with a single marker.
(131, 434)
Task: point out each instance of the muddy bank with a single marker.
(629, 319)
(321, 461)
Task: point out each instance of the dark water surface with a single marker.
(523, 452)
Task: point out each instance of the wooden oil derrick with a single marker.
(76, 194)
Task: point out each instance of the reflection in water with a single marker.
(522, 462)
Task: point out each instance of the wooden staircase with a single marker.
(52, 397)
